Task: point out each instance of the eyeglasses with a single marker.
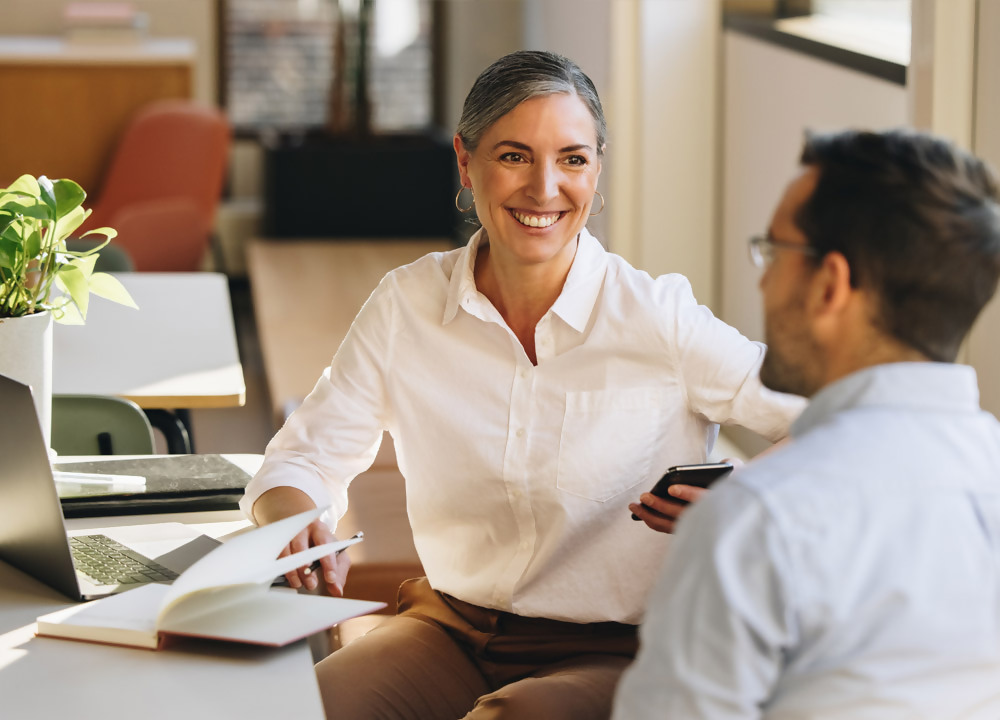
(763, 247)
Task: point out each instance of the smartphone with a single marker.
(701, 475)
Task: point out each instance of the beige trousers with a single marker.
(441, 658)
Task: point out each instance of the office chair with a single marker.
(163, 185)
(99, 425)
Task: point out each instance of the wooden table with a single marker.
(306, 294)
(176, 352)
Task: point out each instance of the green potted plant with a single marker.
(41, 281)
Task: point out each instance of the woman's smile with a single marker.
(536, 219)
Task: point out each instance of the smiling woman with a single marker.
(534, 386)
(534, 176)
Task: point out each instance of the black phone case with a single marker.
(698, 475)
(701, 475)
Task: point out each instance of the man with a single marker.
(855, 571)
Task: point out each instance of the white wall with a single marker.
(663, 108)
(771, 95)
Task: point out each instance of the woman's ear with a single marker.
(463, 156)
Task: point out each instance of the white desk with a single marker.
(178, 350)
(49, 678)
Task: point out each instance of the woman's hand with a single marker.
(333, 568)
(659, 513)
(662, 515)
(281, 502)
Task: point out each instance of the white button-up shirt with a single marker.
(518, 476)
(854, 574)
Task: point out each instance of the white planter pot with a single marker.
(26, 356)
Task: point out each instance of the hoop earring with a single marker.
(471, 205)
(602, 204)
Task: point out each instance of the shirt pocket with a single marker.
(608, 441)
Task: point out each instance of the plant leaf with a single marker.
(107, 232)
(8, 251)
(25, 184)
(38, 210)
(110, 288)
(33, 243)
(47, 193)
(67, 196)
(72, 280)
(68, 314)
(70, 222)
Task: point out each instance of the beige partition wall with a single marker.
(984, 344)
(663, 140)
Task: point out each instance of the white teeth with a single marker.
(535, 220)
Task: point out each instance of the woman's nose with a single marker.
(544, 184)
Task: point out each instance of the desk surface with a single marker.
(177, 351)
(45, 677)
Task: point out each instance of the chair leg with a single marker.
(173, 429)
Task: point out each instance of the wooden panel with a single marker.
(64, 120)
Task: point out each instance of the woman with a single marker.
(534, 384)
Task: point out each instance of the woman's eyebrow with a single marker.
(514, 144)
(527, 148)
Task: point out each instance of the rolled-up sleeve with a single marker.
(721, 371)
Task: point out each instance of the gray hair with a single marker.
(521, 76)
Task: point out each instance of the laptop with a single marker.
(33, 536)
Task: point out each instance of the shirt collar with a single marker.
(907, 385)
(462, 286)
(575, 303)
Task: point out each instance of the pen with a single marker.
(355, 538)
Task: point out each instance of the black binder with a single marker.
(174, 483)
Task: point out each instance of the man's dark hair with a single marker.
(918, 222)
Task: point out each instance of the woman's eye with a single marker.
(576, 160)
(514, 157)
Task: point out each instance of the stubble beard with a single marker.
(791, 361)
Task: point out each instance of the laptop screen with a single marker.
(32, 530)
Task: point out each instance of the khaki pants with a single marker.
(441, 658)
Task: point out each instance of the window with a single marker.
(279, 62)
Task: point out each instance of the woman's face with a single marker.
(534, 174)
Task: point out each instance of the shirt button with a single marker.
(516, 494)
(520, 432)
(525, 545)
(524, 373)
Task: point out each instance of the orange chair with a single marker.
(163, 185)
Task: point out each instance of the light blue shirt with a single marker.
(854, 573)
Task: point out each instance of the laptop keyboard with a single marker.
(108, 562)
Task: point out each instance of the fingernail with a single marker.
(331, 577)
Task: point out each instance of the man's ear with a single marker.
(830, 290)
(463, 156)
